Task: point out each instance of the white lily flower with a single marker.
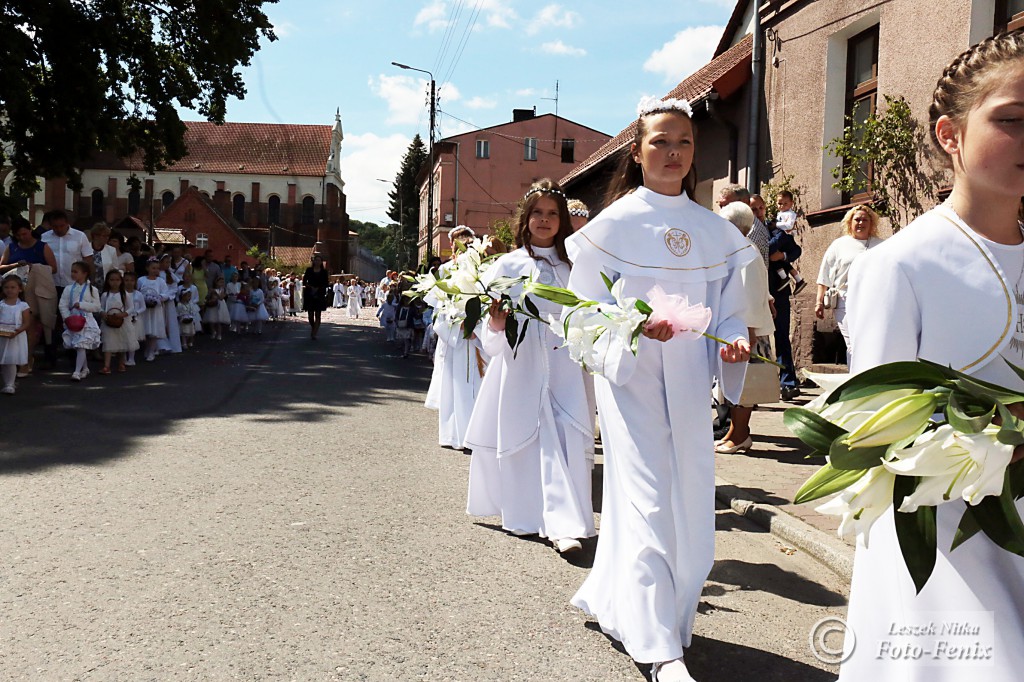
(862, 503)
(839, 412)
(953, 465)
(827, 383)
(896, 421)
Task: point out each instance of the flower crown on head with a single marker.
(653, 105)
(544, 190)
(460, 228)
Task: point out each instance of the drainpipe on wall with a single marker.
(455, 218)
(754, 129)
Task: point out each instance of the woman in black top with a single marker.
(314, 294)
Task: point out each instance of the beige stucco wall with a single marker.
(805, 97)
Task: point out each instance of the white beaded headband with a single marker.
(653, 105)
(460, 228)
(579, 212)
(544, 190)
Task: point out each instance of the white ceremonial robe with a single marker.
(658, 519)
(935, 291)
(339, 295)
(355, 296)
(531, 428)
(456, 377)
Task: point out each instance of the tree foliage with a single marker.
(380, 241)
(894, 146)
(405, 201)
(504, 229)
(770, 193)
(85, 75)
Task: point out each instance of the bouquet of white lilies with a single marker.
(462, 296)
(915, 435)
(587, 322)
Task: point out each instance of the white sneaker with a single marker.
(150, 358)
(564, 545)
(671, 671)
(84, 373)
(9, 390)
(75, 376)
(129, 363)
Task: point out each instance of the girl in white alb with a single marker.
(15, 320)
(81, 300)
(171, 342)
(117, 305)
(216, 316)
(459, 365)
(531, 430)
(658, 519)
(138, 308)
(355, 297)
(949, 288)
(155, 293)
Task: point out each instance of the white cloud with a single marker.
(499, 13)
(552, 16)
(364, 158)
(560, 48)
(494, 13)
(525, 92)
(688, 51)
(434, 15)
(450, 126)
(407, 97)
(481, 103)
(284, 29)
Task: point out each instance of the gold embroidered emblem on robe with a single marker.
(678, 242)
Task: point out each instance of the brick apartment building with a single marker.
(480, 176)
(241, 185)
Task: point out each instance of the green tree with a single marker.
(893, 145)
(379, 240)
(108, 74)
(405, 197)
(504, 229)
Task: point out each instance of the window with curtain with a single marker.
(530, 149)
(483, 149)
(1009, 15)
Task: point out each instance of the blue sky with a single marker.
(331, 54)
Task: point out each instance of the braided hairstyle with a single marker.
(972, 75)
(550, 189)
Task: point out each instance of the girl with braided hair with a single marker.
(949, 288)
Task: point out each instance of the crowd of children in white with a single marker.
(85, 293)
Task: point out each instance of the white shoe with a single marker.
(8, 390)
(521, 533)
(564, 545)
(150, 358)
(129, 363)
(84, 373)
(723, 449)
(75, 376)
(671, 671)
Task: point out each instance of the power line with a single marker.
(477, 183)
(517, 140)
(449, 31)
(465, 40)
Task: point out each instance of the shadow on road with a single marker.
(763, 577)
(282, 377)
(712, 660)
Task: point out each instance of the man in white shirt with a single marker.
(5, 232)
(68, 245)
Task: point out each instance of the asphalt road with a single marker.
(277, 509)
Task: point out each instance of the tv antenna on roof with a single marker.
(554, 141)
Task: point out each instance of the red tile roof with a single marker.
(249, 148)
(694, 88)
(292, 256)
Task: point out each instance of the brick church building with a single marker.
(273, 186)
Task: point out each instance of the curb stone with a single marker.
(830, 551)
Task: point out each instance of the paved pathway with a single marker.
(277, 509)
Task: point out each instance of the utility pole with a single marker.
(430, 156)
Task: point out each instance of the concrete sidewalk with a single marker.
(761, 483)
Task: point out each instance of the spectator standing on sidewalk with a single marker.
(783, 249)
(758, 234)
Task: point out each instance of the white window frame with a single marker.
(530, 149)
(202, 241)
(483, 149)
